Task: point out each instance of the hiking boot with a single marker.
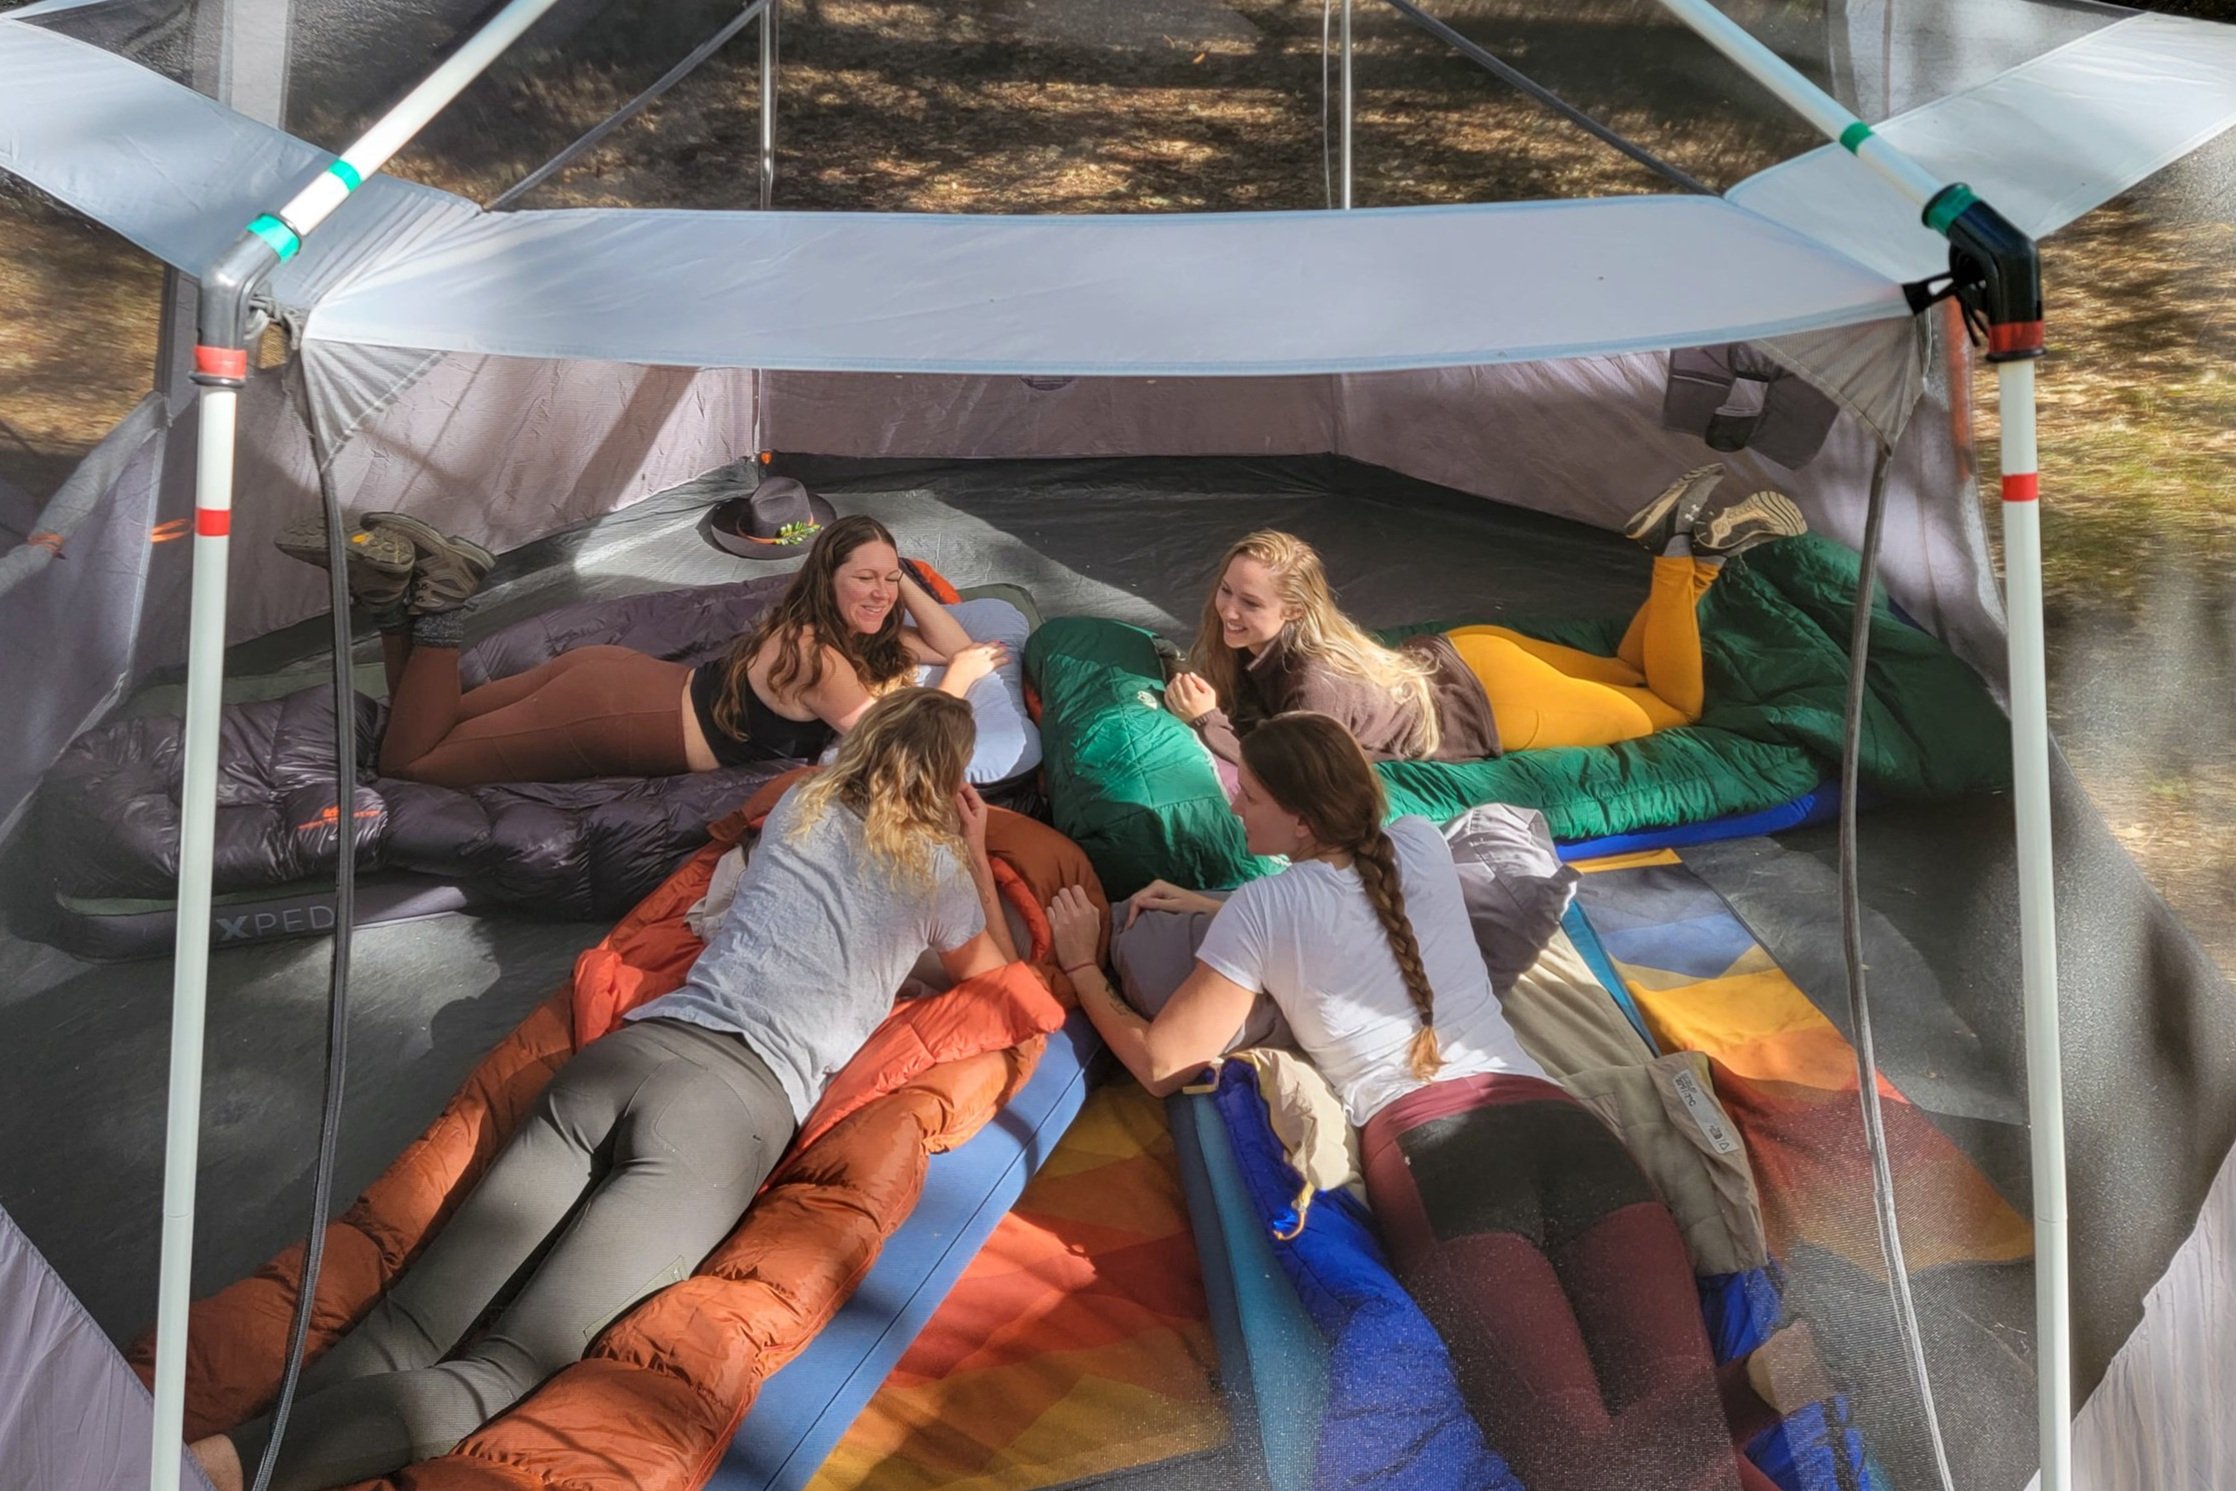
(1675, 510)
(449, 569)
(380, 563)
(1738, 524)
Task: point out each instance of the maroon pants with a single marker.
(590, 712)
(1559, 1283)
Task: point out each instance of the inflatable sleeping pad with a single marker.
(1140, 793)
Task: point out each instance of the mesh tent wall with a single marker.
(541, 368)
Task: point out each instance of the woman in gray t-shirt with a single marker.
(646, 1148)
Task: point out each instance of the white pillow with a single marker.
(1008, 740)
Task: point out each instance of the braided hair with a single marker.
(1312, 767)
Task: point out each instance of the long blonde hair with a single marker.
(1312, 767)
(1319, 632)
(899, 769)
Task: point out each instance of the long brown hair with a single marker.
(1320, 631)
(899, 769)
(810, 603)
(1313, 768)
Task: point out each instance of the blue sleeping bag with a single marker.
(1391, 1414)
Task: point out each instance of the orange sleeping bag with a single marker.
(653, 1404)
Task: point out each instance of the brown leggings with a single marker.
(589, 712)
(1560, 1283)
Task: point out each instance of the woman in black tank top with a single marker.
(852, 625)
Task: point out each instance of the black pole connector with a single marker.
(1995, 272)
(225, 312)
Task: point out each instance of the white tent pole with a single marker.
(1999, 274)
(2030, 757)
(1805, 98)
(1349, 108)
(221, 367)
(768, 105)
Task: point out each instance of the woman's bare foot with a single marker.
(220, 1462)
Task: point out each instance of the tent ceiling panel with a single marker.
(2042, 143)
(176, 173)
(1223, 294)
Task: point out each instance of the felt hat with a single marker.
(777, 520)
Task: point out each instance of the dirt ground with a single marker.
(1171, 105)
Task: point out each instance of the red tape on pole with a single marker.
(221, 362)
(213, 522)
(2023, 486)
(2015, 336)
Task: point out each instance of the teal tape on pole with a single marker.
(1947, 206)
(279, 235)
(346, 174)
(1852, 138)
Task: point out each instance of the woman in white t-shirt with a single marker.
(1513, 1214)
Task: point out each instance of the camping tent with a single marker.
(562, 365)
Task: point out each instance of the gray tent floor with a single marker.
(2150, 1032)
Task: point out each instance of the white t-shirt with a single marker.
(1309, 938)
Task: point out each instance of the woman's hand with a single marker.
(970, 808)
(1190, 697)
(970, 664)
(1159, 895)
(1074, 927)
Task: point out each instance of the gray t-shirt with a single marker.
(808, 958)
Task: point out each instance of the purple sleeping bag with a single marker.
(108, 815)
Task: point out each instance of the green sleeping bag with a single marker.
(1139, 791)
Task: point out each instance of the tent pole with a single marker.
(768, 105)
(224, 332)
(2030, 757)
(1349, 107)
(1995, 272)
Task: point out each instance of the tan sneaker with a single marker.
(449, 568)
(1733, 527)
(380, 563)
(1676, 509)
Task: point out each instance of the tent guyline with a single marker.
(1513, 76)
(1500, 68)
(1995, 273)
(754, 10)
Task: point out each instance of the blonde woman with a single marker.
(646, 1148)
(1273, 640)
(1513, 1214)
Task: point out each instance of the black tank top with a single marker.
(767, 735)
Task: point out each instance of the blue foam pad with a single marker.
(1821, 804)
(1273, 1361)
(1581, 932)
(806, 1408)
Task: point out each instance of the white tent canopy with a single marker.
(2045, 142)
(1819, 242)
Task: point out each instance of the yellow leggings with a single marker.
(1544, 695)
